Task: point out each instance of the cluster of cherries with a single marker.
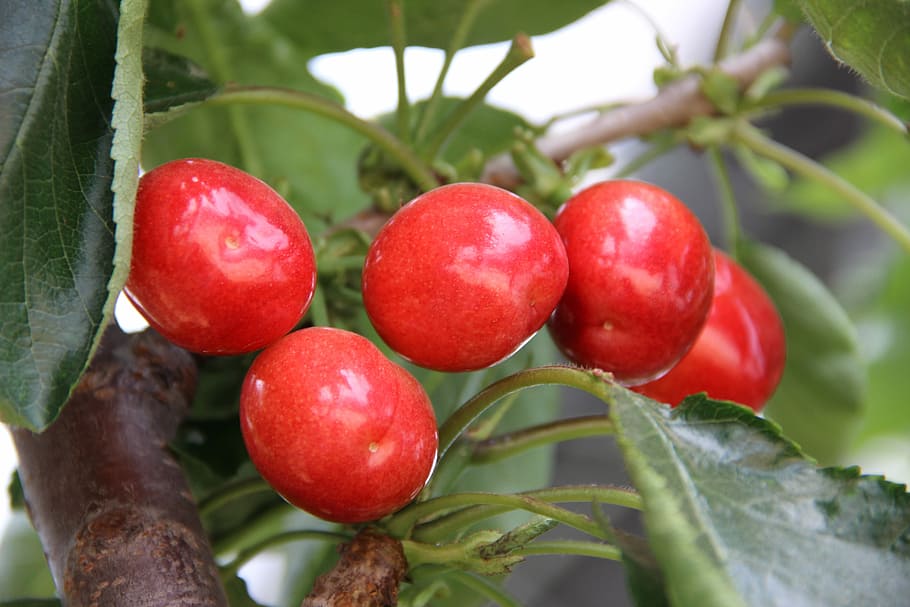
(458, 279)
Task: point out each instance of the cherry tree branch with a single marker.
(112, 507)
(675, 105)
(368, 574)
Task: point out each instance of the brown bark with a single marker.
(368, 574)
(111, 505)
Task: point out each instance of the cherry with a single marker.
(641, 274)
(335, 427)
(221, 264)
(741, 350)
(462, 276)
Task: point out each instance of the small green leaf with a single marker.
(172, 81)
(821, 398)
(56, 204)
(737, 515)
(871, 37)
(722, 90)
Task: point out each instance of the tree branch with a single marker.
(114, 512)
(372, 566)
(675, 105)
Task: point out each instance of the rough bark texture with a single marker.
(111, 505)
(368, 574)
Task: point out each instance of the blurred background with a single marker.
(563, 77)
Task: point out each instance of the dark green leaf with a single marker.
(347, 25)
(23, 568)
(310, 160)
(871, 37)
(56, 205)
(32, 603)
(737, 515)
(172, 80)
(821, 399)
(16, 494)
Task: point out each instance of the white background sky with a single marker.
(607, 56)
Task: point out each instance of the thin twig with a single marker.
(675, 105)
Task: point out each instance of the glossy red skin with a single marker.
(221, 264)
(641, 274)
(335, 427)
(741, 351)
(462, 276)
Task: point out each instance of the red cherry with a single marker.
(221, 264)
(641, 274)
(462, 276)
(741, 351)
(335, 427)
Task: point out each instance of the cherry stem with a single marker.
(726, 30)
(804, 166)
(729, 209)
(399, 42)
(832, 98)
(591, 381)
(519, 51)
(231, 492)
(417, 170)
(575, 547)
(468, 16)
(230, 569)
(452, 513)
(506, 445)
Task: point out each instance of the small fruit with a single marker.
(741, 350)
(221, 264)
(335, 427)
(462, 276)
(641, 273)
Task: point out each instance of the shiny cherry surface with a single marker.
(335, 427)
(641, 273)
(741, 351)
(462, 276)
(221, 264)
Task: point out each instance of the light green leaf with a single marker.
(56, 204)
(737, 515)
(821, 399)
(871, 37)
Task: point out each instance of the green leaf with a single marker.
(309, 159)
(789, 10)
(871, 37)
(172, 81)
(821, 399)
(430, 23)
(56, 205)
(23, 568)
(737, 515)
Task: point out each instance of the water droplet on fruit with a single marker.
(374, 447)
